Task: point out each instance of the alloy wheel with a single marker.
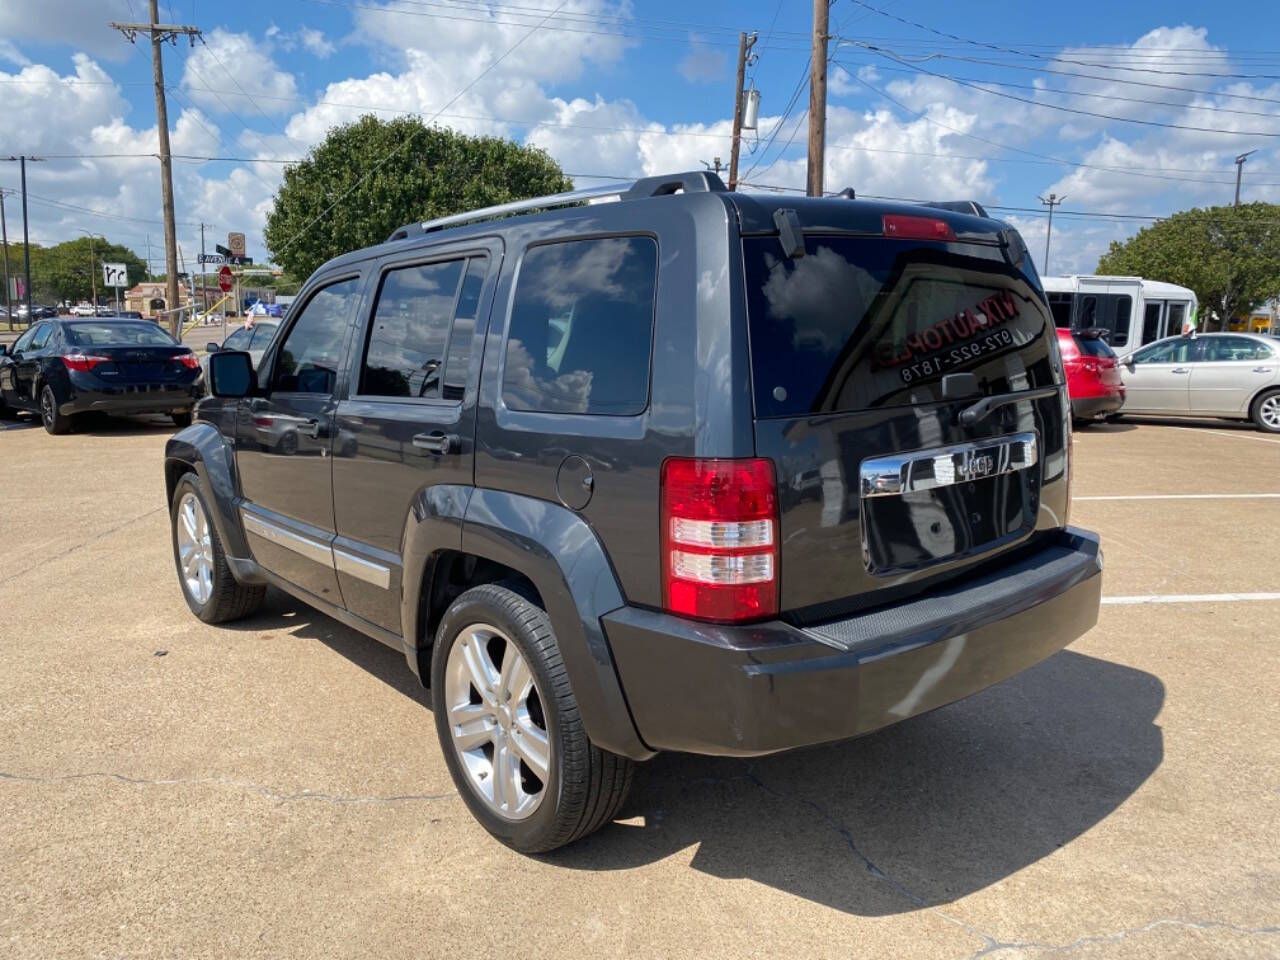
(46, 408)
(496, 721)
(1269, 411)
(195, 549)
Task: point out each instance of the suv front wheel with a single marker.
(510, 729)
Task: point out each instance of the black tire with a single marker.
(54, 420)
(1264, 419)
(228, 599)
(181, 420)
(586, 785)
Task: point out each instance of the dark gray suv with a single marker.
(694, 470)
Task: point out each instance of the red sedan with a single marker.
(1093, 374)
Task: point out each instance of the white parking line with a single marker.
(1187, 496)
(1239, 436)
(1190, 598)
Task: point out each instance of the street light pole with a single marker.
(4, 235)
(1053, 201)
(26, 242)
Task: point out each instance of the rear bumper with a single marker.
(1090, 408)
(709, 689)
(131, 398)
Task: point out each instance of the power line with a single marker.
(1064, 109)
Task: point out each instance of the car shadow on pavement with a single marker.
(918, 814)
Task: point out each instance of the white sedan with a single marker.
(1231, 375)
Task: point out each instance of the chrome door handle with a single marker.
(437, 442)
(1180, 370)
(1261, 369)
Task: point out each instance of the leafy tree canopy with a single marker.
(62, 272)
(414, 172)
(1230, 256)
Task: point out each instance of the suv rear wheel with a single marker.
(510, 729)
(1266, 411)
(212, 593)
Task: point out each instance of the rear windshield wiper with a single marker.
(977, 412)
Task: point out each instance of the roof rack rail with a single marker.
(971, 207)
(696, 181)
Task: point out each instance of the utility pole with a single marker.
(818, 97)
(159, 33)
(1239, 170)
(4, 235)
(1053, 201)
(204, 300)
(26, 244)
(745, 44)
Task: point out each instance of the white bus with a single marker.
(1135, 311)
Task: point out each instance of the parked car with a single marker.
(254, 340)
(570, 480)
(84, 310)
(1093, 374)
(129, 315)
(1230, 375)
(64, 368)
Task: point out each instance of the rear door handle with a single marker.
(437, 442)
(1261, 369)
(1180, 370)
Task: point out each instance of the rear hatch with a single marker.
(865, 351)
(1096, 355)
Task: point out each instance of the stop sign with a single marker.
(224, 280)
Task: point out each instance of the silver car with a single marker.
(1230, 375)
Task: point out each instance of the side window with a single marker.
(409, 330)
(24, 341)
(44, 332)
(262, 334)
(1177, 316)
(238, 340)
(1107, 311)
(581, 330)
(1060, 305)
(1120, 320)
(309, 358)
(1221, 349)
(464, 328)
(1151, 320)
(1166, 351)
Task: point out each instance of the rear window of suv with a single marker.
(1093, 346)
(864, 322)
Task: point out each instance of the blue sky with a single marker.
(624, 90)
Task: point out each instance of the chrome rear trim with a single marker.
(899, 474)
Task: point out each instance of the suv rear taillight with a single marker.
(720, 538)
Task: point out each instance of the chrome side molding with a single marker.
(893, 476)
(304, 546)
(362, 569)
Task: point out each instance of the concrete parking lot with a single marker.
(274, 788)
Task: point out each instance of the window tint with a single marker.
(24, 341)
(409, 329)
(581, 328)
(1151, 320)
(107, 334)
(309, 359)
(1177, 350)
(1094, 347)
(238, 340)
(1060, 305)
(1108, 311)
(1234, 348)
(44, 332)
(262, 334)
(464, 328)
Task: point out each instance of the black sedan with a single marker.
(66, 367)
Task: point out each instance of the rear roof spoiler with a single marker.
(971, 207)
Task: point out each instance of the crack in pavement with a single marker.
(990, 944)
(1105, 938)
(83, 543)
(270, 793)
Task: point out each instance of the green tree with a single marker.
(62, 272)
(427, 172)
(1230, 256)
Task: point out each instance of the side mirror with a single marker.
(212, 347)
(230, 374)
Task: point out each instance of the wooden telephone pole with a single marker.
(159, 33)
(745, 44)
(818, 97)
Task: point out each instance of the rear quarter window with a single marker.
(581, 330)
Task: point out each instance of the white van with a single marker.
(1134, 310)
